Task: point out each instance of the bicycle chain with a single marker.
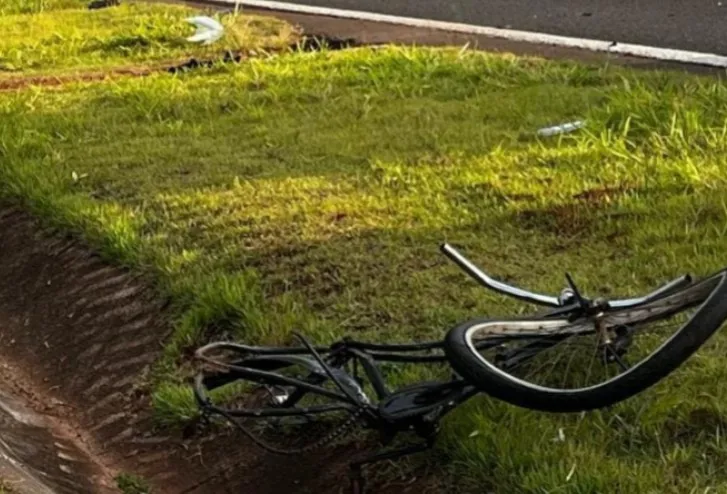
(325, 440)
(339, 431)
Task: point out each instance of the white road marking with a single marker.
(642, 51)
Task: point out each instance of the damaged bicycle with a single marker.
(578, 355)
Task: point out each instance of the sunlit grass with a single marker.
(10, 7)
(132, 34)
(311, 192)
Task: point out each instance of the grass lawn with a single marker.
(66, 37)
(311, 191)
(37, 6)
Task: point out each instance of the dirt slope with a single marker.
(82, 334)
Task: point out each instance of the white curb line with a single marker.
(642, 51)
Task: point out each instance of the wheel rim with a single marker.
(557, 355)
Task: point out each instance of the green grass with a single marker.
(10, 7)
(311, 192)
(4, 487)
(132, 484)
(133, 34)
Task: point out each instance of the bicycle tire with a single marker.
(491, 380)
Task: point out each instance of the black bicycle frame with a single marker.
(415, 408)
(260, 366)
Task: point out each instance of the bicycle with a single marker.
(497, 357)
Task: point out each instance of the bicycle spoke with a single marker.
(595, 353)
(567, 368)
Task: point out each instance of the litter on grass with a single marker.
(560, 438)
(561, 129)
(208, 30)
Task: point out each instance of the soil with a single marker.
(80, 334)
(12, 83)
(304, 44)
(38, 455)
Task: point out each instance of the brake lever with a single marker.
(576, 293)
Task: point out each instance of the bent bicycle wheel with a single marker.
(562, 365)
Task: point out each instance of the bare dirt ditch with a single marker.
(37, 454)
(77, 338)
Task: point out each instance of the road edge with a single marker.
(668, 55)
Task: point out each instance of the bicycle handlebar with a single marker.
(547, 300)
(663, 290)
(495, 285)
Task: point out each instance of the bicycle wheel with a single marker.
(561, 365)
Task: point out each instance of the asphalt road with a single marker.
(697, 25)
